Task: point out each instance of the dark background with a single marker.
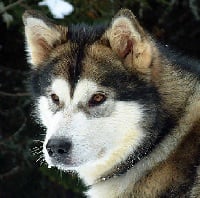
(22, 172)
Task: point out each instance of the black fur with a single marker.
(180, 61)
(80, 36)
(158, 122)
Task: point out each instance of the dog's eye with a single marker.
(55, 99)
(97, 99)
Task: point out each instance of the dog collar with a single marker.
(127, 164)
(119, 169)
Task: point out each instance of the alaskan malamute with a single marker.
(120, 109)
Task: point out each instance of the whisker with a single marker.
(40, 158)
(61, 174)
(39, 141)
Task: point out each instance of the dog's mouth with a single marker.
(58, 153)
(64, 163)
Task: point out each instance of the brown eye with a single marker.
(55, 99)
(97, 99)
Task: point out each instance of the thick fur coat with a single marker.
(120, 109)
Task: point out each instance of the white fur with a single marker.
(61, 88)
(116, 135)
(121, 134)
(118, 187)
(35, 22)
(83, 90)
(99, 143)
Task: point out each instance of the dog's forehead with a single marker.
(70, 59)
(74, 61)
(83, 56)
(97, 64)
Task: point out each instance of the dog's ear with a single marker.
(42, 36)
(130, 42)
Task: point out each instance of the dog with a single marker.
(119, 108)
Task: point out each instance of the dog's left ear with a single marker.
(130, 42)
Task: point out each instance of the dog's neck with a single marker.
(119, 169)
(123, 167)
(170, 81)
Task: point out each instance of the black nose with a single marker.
(58, 148)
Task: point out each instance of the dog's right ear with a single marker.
(42, 36)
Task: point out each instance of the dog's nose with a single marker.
(58, 147)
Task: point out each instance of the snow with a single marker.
(59, 8)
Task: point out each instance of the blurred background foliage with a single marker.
(22, 173)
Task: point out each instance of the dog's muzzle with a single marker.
(59, 150)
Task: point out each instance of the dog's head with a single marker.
(93, 92)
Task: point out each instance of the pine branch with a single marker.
(11, 6)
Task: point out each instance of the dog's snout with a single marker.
(58, 147)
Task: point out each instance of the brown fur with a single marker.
(126, 44)
(195, 192)
(42, 39)
(173, 177)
